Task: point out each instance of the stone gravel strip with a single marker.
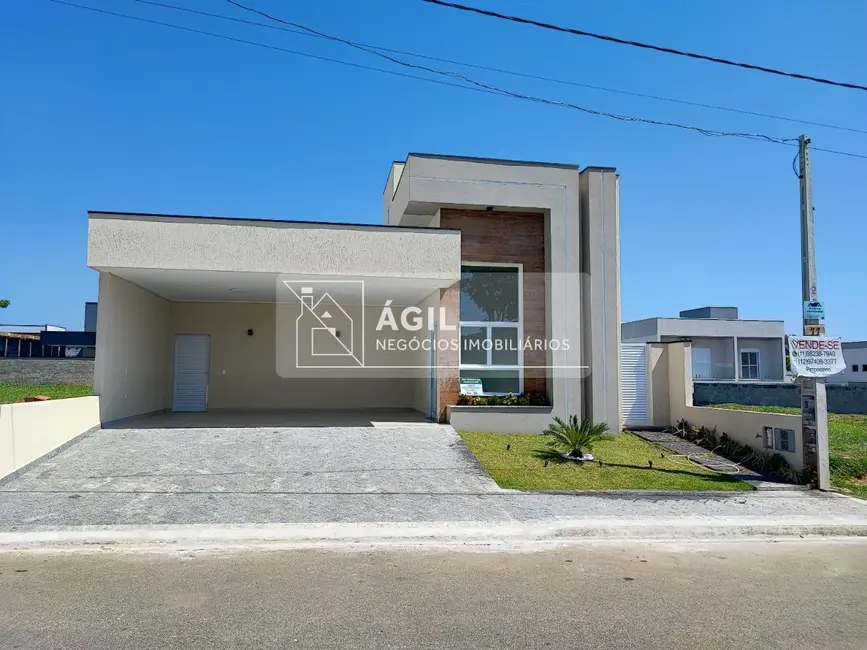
(715, 462)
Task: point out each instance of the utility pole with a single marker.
(814, 402)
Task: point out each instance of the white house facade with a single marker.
(499, 276)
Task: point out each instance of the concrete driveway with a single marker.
(204, 469)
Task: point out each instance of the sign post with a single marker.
(814, 404)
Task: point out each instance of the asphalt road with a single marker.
(803, 594)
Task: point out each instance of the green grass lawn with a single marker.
(624, 467)
(14, 392)
(847, 439)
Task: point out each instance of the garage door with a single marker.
(633, 385)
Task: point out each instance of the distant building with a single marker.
(855, 356)
(25, 341)
(724, 347)
(50, 340)
(90, 309)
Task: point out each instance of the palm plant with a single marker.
(574, 437)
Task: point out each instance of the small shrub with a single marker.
(530, 398)
(573, 437)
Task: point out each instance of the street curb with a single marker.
(492, 535)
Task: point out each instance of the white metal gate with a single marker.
(635, 410)
(192, 365)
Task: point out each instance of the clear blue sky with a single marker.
(103, 113)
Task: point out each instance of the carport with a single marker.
(211, 314)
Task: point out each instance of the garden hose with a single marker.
(736, 469)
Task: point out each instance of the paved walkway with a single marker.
(677, 445)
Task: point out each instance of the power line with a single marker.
(514, 73)
(647, 46)
(840, 153)
(492, 91)
(262, 45)
(517, 95)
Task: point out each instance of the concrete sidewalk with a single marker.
(493, 521)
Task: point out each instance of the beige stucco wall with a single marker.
(600, 298)
(182, 243)
(744, 426)
(29, 431)
(252, 372)
(133, 349)
(421, 380)
(658, 392)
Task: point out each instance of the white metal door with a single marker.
(635, 410)
(192, 364)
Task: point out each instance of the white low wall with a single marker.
(747, 427)
(31, 430)
(501, 419)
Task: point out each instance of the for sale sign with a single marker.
(816, 356)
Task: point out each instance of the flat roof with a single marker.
(111, 214)
(499, 161)
(730, 320)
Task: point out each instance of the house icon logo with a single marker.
(325, 333)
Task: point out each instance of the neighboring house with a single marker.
(475, 259)
(724, 347)
(855, 356)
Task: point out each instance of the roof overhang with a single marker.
(216, 259)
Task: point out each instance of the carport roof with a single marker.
(112, 214)
(220, 259)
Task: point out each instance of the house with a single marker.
(499, 275)
(855, 356)
(724, 347)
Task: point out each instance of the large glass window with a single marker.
(490, 313)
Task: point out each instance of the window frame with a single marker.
(702, 362)
(773, 439)
(489, 325)
(741, 364)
